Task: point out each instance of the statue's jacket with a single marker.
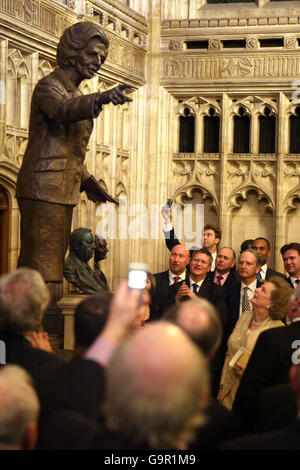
(61, 123)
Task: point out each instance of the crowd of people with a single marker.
(207, 357)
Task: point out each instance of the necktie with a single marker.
(219, 279)
(176, 279)
(297, 282)
(245, 300)
(258, 276)
(195, 289)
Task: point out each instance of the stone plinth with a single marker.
(68, 303)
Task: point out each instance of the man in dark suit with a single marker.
(53, 172)
(24, 298)
(240, 293)
(269, 364)
(291, 260)
(200, 283)
(262, 247)
(167, 282)
(225, 273)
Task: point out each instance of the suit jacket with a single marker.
(215, 294)
(76, 385)
(290, 282)
(220, 426)
(164, 295)
(270, 272)
(269, 365)
(231, 279)
(233, 301)
(19, 351)
(59, 130)
(277, 408)
(283, 439)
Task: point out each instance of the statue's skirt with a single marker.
(45, 232)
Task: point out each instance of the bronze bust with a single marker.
(100, 253)
(76, 268)
(53, 173)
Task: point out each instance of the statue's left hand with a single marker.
(94, 191)
(114, 95)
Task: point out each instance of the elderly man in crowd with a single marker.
(24, 298)
(167, 282)
(164, 384)
(19, 409)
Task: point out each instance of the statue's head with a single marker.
(101, 248)
(82, 243)
(79, 42)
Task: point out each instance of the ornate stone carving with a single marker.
(176, 45)
(15, 144)
(44, 68)
(72, 4)
(36, 13)
(252, 42)
(236, 198)
(89, 11)
(290, 42)
(195, 68)
(214, 44)
(291, 185)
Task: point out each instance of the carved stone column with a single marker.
(281, 215)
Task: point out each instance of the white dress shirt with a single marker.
(199, 284)
(172, 276)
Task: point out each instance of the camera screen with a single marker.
(137, 279)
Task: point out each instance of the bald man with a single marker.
(168, 282)
(165, 386)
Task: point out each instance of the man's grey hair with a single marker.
(24, 298)
(228, 248)
(208, 338)
(254, 252)
(19, 405)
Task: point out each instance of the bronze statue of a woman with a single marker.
(53, 174)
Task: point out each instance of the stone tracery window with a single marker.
(267, 132)
(241, 132)
(211, 132)
(295, 131)
(186, 132)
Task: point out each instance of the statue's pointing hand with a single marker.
(114, 95)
